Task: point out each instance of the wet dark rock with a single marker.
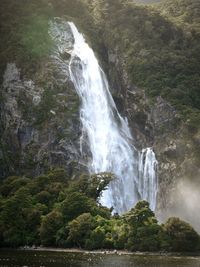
(155, 124)
(40, 126)
(65, 55)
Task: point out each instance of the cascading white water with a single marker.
(108, 134)
(148, 176)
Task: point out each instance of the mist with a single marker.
(186, 199)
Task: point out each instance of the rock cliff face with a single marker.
(40, 127)
(157, 124)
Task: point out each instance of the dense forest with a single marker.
(158, 45)
(56, 210)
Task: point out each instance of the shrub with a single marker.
(51, 223)
(182, 237)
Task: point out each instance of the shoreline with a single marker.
(107, 252)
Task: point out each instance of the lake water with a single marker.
(69, 259)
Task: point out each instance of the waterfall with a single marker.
(108, 135)
(148, 176)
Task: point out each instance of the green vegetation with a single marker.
(185, 13)
(159, 48)
(55, 210)
(180, 235)
(24, 30)
(24, 33)
(35, 37)
(144, 232)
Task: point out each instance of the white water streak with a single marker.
(148, 176)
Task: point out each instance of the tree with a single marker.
(92, 185)
(182, 237)
(51, 223)
(143, 228)
(140, 215)
(74, 205)
(15, 218)
(80, 229)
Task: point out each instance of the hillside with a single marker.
(151, 56)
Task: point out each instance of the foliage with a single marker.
(158, 46)
(140, 215)
(80, 229)
(74, 204)
(51, 223)
(35, 37)
(183, 12)
(92, 185)
(34, 211)
(23, 29)
(181, 235)
(54, 210)
(20, 219)
(144, 230)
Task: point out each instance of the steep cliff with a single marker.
(40, 126)
(153, 69)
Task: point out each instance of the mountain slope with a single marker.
(151, 55)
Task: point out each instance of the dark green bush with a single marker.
(181, 235)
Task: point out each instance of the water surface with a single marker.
(69, 259)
